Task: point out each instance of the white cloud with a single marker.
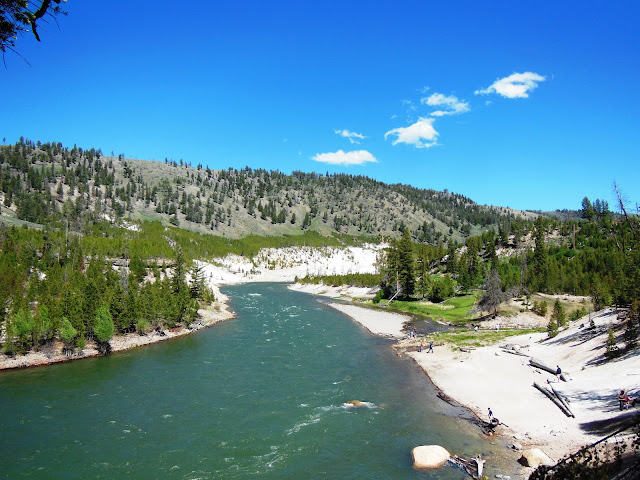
(357, 157)
(421, 134)
(451, 103)
(352, 136)
(516, 85)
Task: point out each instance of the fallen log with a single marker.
(472, 467)
(514, 352)
(561, 398)
(538, 364)
(552, 397)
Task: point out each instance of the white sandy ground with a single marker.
(489, 377)
(386, 324)
(285, 264)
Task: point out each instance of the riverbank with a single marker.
(270, 265)
(53, 353)
(489, 377)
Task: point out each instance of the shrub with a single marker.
(612, 348)
(379, 296)
(142, 326)
(540, 308)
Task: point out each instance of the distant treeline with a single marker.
(352, 279)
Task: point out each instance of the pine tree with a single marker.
(103, 329)
(493, 295)
(612, 348)
(559, 314)
(405, 264)
(67, 332)
(423, 283)
(24, 325)
(539, 281)
(632, 324)
(552, 328)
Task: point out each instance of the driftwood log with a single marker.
(472, 467)
(553, 398)
(561, 398)
(514, 352)
(538, 364)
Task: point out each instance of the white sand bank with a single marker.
(489, 377)
(344, 291)
(385, 324)
(285, 264)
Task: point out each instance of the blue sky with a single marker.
(531, 105)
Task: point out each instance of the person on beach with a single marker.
(430, 348)
(490, 415)
(421, 346)
(558, 372)
(625, 401)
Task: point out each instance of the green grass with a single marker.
(481, 338)
(455, 310)
(12, 220)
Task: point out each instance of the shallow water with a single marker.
(262, 395)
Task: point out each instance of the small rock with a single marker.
(429, 456)
(516, 446)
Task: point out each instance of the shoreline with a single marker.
(489, 377)
(52, 354)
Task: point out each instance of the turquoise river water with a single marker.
(259, 396)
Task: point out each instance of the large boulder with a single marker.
(534, 457)
(429, 456)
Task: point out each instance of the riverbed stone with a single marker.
(534, 457)
(429, 456)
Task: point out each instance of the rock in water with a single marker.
(429, 456)
(534, 457)
(356, 403)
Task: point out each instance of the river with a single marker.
(258, 396)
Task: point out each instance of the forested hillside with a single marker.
(45, 182)
(93, 245)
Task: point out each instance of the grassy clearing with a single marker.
(481, 338)
(456, 310)
(570, 304)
